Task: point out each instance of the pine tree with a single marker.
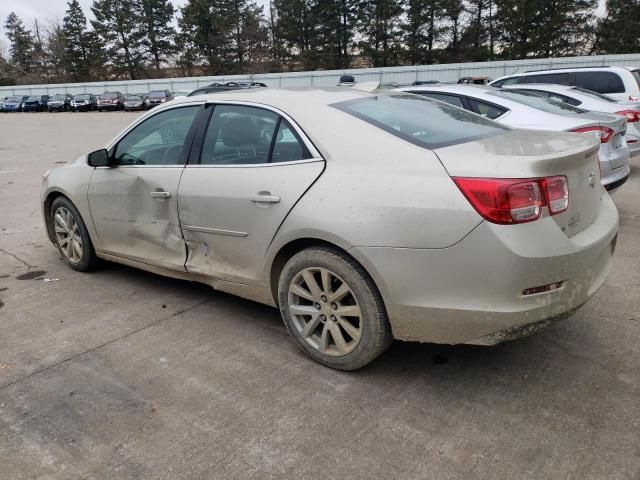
(618, 31)
(122, 35)
(335, 22)
(22, 44)
(296, 27)
(422, 29)
(157, 27)
(83, 53)
(379, 22)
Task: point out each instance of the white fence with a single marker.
(444, 72)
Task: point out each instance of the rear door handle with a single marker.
(265, 197)
(160, 194)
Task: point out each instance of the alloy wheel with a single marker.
(325, 311)
(68, 234)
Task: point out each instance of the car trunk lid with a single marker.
(536, 154)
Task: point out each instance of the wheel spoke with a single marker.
(340, 293)
(353, 332)
(312, 285)
(63, 242)
(324, 339)
(300, 292)
(78, 248)
(310, 327)
(69, 249)
(349, 311)
(61, 221)
(302, 310)
(338, 338)
(326, 280)
(59, 229)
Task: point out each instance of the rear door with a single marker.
(249, 166)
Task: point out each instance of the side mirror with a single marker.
(99, 158)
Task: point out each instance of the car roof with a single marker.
(284, 98)
(460, 88)
(566, 70)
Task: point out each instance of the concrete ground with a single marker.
(122, 374)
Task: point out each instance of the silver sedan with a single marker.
(519, 109)
(362, 216)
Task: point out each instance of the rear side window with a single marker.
(636, 76)
(601, 82)
(450, 99)
(557, 78)
(421, 121)
(512, 81)
(486, 109)
(533, 99)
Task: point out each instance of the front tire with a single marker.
(72, 238)
(332, 309)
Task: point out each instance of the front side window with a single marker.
(421, 121)
(159, 140)
(601, 82)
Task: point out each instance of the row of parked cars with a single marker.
(436, 213)
(87, 101)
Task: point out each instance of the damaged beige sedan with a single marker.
(362, 216)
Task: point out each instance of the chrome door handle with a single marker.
(265, 198)
(160, 194)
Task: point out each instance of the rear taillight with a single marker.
(556, 190)
(515, 200)
(603, 133)
(632, 116)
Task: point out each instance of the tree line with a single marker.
(134, 39)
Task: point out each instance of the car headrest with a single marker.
(239, 132)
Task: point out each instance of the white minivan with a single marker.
(620, 83)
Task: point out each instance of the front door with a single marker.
(252, 169)
(134, 203)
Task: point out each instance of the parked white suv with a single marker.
(620, 83)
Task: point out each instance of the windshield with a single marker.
(421, 121)
(33, 99)
(58, 97)
(82, 97)
(157, 93)
(14, 99)
(108, 96)
(592, 94)
(133, 97)
(538, 101)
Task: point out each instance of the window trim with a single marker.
(188, 142)
(464, 99)
(209, 107)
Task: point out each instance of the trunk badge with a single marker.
(592, 180)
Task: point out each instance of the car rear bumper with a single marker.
(473, 292)
(616, 178)
(108, 106)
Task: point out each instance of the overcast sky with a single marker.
(47, 10)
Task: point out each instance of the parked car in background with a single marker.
(60, 102)
(596, 102)
(619, 83)
(532, 111)
(181, 93)
(35, 103)
(84, 102)
(405, 217)
(111, 101)
(134, 102)
(14, 103)
(474, 80)
(157, 97)
(2, 100)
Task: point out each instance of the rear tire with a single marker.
(72, 237)
(332, 309)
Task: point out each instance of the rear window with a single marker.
(134, 97)
(33, 98)
(82, 97)
(538, 101)
(108, 96)
(601, 82)
(421, 121)
(636, 75)
(59, 97)
(157, 93)
(14, 99)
